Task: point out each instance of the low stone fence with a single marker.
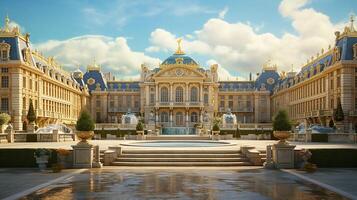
(327, 137)
(265, 136)
(55, 136)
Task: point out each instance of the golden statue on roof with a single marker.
(179, 51)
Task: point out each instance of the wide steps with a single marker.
(173, 151)
(186, 164)
(180, 155)
(181, 159)
(173, 137)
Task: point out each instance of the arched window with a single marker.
(4, 51)
(179, 119)
(164, 93)
(205, 98)
(164, 117)
(194, 94)
(179, 94)
(194, 117)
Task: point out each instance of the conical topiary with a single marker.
(4, 118)
(31, 115)
(139, 126)
(338, 114)
(85, 122)
(281, 121)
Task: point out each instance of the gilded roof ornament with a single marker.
(179, 50)
(7, 23)
(352, 19)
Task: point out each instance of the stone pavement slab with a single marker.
(340, 180)
(15, 181)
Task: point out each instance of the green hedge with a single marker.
(22, 158)
(334, 157)
(118, 132)
(319, 137)
(227, 132)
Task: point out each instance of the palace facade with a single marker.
(179, 92)
(28, 76)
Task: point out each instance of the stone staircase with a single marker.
(177, 137)
(170, 157)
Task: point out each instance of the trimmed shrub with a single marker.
(281, 121)
(4, 118)
(139, 126)
(338, 113)
(85, 122)
(215, 127)
(31, 115)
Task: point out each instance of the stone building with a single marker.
(27, 76)
(327, 79)
(179, 93)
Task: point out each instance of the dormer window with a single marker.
(4, 51)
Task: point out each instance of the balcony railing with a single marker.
(184, 103)
(223, 109)
(123, 109)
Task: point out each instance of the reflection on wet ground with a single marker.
(183, 184)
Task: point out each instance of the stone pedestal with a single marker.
(96, 161)
(283, 155)
(31, 127)
(269, 164)
(10, 136)
(82, 155)
(55, 136)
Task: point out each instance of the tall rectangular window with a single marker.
(152, 98)
(4, 70)
(24, 82)
(4, 104)
(4, 81)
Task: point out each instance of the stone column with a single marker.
(201, 93)
(16, 100)
(186, 118)
(157, 93)
(256, 108)
(171, 93)
(347, 79)
(96, 160)
(170, 119)
(186, 97)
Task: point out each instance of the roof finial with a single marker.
(7, 23)
(179, 51)
(352, 19)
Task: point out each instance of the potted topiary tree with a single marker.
(4, 120)
(339, 116)
(31, 117)
(140, 129)
(216, 129)
(85, 127)
(282, 126)
(42, 156)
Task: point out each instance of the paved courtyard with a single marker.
(176, 183)
(103, 144)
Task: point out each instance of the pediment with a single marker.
(179, 72)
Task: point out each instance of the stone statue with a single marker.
(336, 54)
(354, 48)
(152, 116)
(205, 117)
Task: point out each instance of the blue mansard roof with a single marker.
(123, 85)
(236, 85)
(97, 76)
(175, 58)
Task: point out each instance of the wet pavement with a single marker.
(183, 184)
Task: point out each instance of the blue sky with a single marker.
(136, 21)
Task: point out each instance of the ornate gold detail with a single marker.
(179, 51)
(93, 67)
(270, 81)
(179, 60)
(269, 66)
(336, 54)
(354, 51)
(4, 51)
(90, 81)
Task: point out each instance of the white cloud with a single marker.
(223, 12)
(113, 54)
(239, 48)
